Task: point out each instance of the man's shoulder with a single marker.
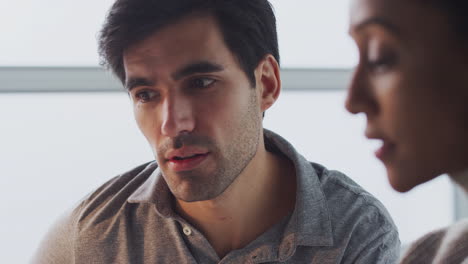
(115, 192)
(359, 223)
(337, 182)
(131, 178)
(348, 202)
(75, 231)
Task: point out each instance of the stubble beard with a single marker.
(230, 163)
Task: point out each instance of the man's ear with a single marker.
(268, 81)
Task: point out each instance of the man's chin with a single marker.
(188, 197)
(189, 192)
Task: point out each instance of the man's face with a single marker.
(195, 106)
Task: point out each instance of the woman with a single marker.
(412, 84)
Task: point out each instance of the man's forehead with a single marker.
(189, 26)
(189, 34)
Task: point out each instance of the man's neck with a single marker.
(259, 198)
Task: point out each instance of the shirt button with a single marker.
(187, 230)
(286, 250)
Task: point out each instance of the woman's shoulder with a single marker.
(448, 245)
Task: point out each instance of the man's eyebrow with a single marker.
(379, 21)
(197, 67)
(131, 83)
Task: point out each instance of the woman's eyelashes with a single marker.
(381, 63)
(380, 58)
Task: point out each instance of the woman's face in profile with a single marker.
(411, 82)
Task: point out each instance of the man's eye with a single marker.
(146, 96)
(201, 82)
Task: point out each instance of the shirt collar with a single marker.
(309, 224)
(155, 190)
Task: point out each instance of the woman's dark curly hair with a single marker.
(456, 12)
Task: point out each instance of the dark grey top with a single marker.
(445, 246)
(130, 219)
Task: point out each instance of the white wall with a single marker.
(63, 32)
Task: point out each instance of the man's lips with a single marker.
(186, 158)
(178, 164)
(178, 159)
(184, 153)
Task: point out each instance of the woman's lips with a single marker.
(385, 151)
(186, 164)
(388, 147)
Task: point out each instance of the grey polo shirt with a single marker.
(130, 219)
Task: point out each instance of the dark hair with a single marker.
(248, 28)
(456, 12)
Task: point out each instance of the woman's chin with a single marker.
(405, 180)
(400, 187)
(398, 182)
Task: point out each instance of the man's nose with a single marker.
(177, 116)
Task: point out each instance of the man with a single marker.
(201, 73)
